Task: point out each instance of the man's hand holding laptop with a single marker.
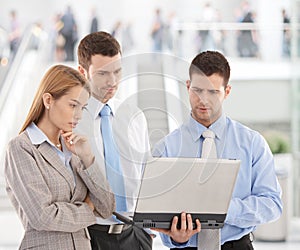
(185, 232)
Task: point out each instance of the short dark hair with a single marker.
(96, 43)
(210, 62)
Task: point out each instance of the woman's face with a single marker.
(65, 112)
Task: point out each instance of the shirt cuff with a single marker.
(167, 241)
(233, 211)
(150, 232)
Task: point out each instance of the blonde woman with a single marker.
(52, 180)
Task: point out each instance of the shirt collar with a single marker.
(37, 137)
(95, 106)
(196, 129)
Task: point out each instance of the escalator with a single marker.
(18, 85)
(162, 93)
(151, 97)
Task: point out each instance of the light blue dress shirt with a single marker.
(131, 136)
(256, 197)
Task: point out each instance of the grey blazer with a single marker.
(48, 202)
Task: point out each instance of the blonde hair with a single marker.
(57, 81)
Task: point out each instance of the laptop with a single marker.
(200, 187)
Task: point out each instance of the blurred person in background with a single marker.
(171, 34)
(157, 31)
(15, 33)
(58, 41)
(247, 40)
(209, 15)
(95, 24)
(286, 36)
(69, 32)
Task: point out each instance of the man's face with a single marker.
(104, 74)
(206, 94)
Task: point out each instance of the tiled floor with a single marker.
(11, 233)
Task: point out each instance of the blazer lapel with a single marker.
(53, 159)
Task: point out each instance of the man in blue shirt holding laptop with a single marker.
(256, 197)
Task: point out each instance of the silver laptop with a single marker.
(201, 187)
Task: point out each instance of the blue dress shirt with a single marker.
(256, 197)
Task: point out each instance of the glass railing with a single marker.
(267, 42)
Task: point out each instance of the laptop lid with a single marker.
(201, 187)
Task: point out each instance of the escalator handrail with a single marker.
(14, 67)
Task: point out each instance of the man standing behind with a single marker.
(119, 138)
(256, 197)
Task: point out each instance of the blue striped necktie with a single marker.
(112, 160)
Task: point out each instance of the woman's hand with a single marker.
(79, 146)
(186, 231)
(89, 202)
